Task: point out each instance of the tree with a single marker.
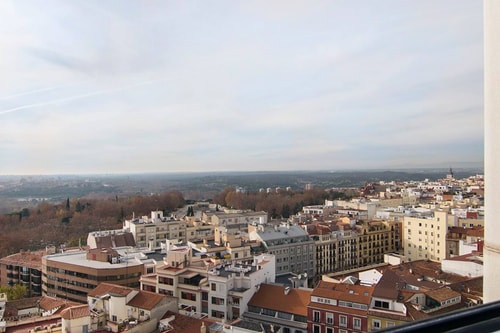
(15, 292)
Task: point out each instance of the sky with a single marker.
(185, 86)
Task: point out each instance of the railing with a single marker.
(482, 318)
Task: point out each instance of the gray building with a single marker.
(292, 246)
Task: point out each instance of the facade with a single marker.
(338, 307)
(280, 306)
(294, 249)
(24, 268)
(335, 250)
(377, 238)
(71, 275)
(353, 245)
(424, 237)
(152, 232)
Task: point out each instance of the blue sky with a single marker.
(165, 86)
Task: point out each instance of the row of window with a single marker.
(329, 319)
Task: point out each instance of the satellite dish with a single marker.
(305, 275)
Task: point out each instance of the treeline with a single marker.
(70, 221)
(279, 204)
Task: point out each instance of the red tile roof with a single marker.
(146, 300)
(272, 296)
(74, 312)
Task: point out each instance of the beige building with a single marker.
(424, 237)
(154, 232)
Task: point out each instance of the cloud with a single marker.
(236, 85)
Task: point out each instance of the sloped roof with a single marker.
(186, 324)
(272, 296)
(48, 303)
(74, 312)
(146, 300)
(108, 288)
(346, 292)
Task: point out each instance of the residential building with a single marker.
(280, 306)
(424, 237)
(220, 289)
(377, 238)
(71, 275)
(336, 250)
(152, 232)
(294, 249)
(339, 307)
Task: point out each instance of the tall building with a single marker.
(424, 237)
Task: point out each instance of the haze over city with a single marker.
(125, 86)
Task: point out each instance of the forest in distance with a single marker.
(17, 192)
(80, 204)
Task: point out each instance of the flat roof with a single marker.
(80, 259)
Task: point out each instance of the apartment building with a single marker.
(338, 307)
(377, 238)
(345, 246)
(155, 231)
(280, 306)
(336, 250)
(219, 289)
(24, 268)
(71, 275)
(424, 237)
(294, 250)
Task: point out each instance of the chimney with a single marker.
(287, 290)
(203, 328)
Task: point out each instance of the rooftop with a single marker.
(284, 299)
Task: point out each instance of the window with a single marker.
(114, 318)
(382, 304)
(213, 287)
(316, 329)
(316, 316)
(390, 324)
(329, 318)
(329, 330)
(343, 321)
(376, 325)
(356, 322)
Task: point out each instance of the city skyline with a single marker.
(127, 87)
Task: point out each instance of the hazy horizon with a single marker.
(130, 87)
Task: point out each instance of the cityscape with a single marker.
(362, 259)
(249, 167)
